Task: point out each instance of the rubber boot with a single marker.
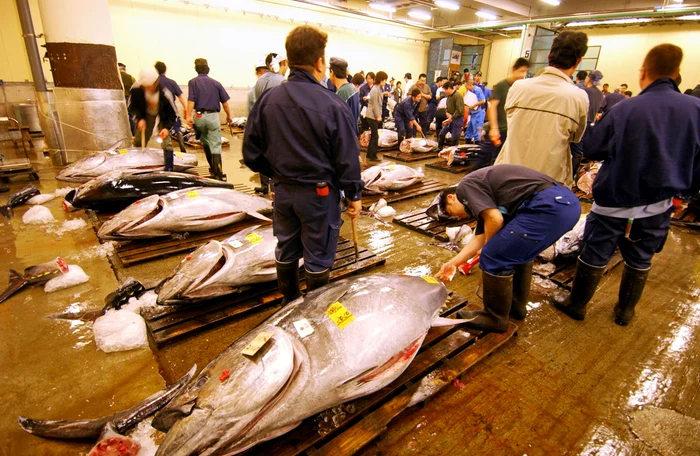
(498, 297)
(217, 165)
(522, 279)
(316, 280)
(207, 153)
(631, 288)
(441, 142)
(168, 157)
(288, 280)
(4, 189)
(264, 185)
(585, 283)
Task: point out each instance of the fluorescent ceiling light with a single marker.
(678, 1)
(486, 15)
(637, 20)
(410, 22)
(690, 17)
(447, 4)
(421, 14)
(513, 28)
(381, 6)
(552, 2)
(674, 6)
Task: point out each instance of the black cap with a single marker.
(339, 67)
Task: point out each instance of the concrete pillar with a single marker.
(88, 91)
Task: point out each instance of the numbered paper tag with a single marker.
(192, 194)
(340, 315)
(391, 167)
(123, 151)
(253, 238)
(429, 279)
(256, 344)
(172, 196)
(303, 327)
(179, 154)
(236, 244)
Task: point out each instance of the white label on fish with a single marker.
(303, 327)
(256, 344)
(236, 244)
(172, 196)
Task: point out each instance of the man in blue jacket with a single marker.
(302, 136)
(649, 156)
(405, 115)
(433, 102)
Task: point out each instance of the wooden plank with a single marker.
(441, 165)
(563, 274)
(425, 187)
(370, 427)
(409, 157)
(419, 222)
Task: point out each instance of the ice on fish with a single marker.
(146, 300)
(381, 209)
(41, 199)
(74, 276)
(63, 191)
(38, 215)
(120, 330)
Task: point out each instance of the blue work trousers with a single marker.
(306, 225)
(454, 128)
(539, 222)
(475, 126)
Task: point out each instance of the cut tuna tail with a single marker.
(17, 282)
(6, 210)
(122, 421)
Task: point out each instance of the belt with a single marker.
(205, 111)
(289, 181)
(544, 186)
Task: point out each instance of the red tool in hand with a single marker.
(465, 268)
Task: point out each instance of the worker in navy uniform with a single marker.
(150, 100)
(520, 212)
(303, 136)
(203, 99)
(405, 115)
(649, 155)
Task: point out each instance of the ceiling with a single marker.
(512, 12)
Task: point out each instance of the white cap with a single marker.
(260, 64)
(148, 76)
(275, 63)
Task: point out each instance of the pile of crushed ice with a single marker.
(101, 251)
(124, 329)
(38, 215)
(74, 276)
(68, 225)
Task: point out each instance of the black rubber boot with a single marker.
(631, 288)
(218, 167)
(316, 280)
(288, 280)
(498, 297)
(207, 153)
(168, 157)
(522, 279)
(441, 142)
(585, 283)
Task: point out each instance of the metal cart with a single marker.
(9, 168)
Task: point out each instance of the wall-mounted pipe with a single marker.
(25, 19)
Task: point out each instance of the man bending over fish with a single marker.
(303, 136)
(149, 100)
(520, 212)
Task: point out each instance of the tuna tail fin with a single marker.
(6, 210)
(258, 216)
(440, 321)
(91, 429)
(17, 282)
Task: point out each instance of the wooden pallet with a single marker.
(686, 216)
(441, 165)
(425, 187)
(198, 146)
(446, 353)
(419, 221)
(171, 322)
(563, 274)
(236, 131)
(409, 157)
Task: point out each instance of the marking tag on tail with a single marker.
(193, 194)
(430, 280)
(303, 327)
(340, 315)
(254, 238)
(256, 344)
(123, 151)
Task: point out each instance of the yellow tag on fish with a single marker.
(340, 315)
(193, 194)
(256, 344)
(123, 151)
(178, 154)
(429, 279)
(391, 167)
(253, 238)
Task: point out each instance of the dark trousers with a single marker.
(403, 128)
(454, 128)
(422, 118)
(306, 225)
(495, 150)
(374, 138)
(603, 234)
(431, 115)
(132, 124)
(538, 223)
(440, 117)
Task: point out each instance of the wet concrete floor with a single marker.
(560, 387)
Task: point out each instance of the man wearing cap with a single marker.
(405, 115)
(175, 89)
(425, 97)
(150, 100)
(595, 100)
(519, 212)
(203, 100)
(260, 69)
(303, 136)
(127, 81)
(345, 90)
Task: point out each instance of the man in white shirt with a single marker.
(548, 112)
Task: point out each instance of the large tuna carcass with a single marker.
(418, 145)
(387, 176)
(387, 139)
